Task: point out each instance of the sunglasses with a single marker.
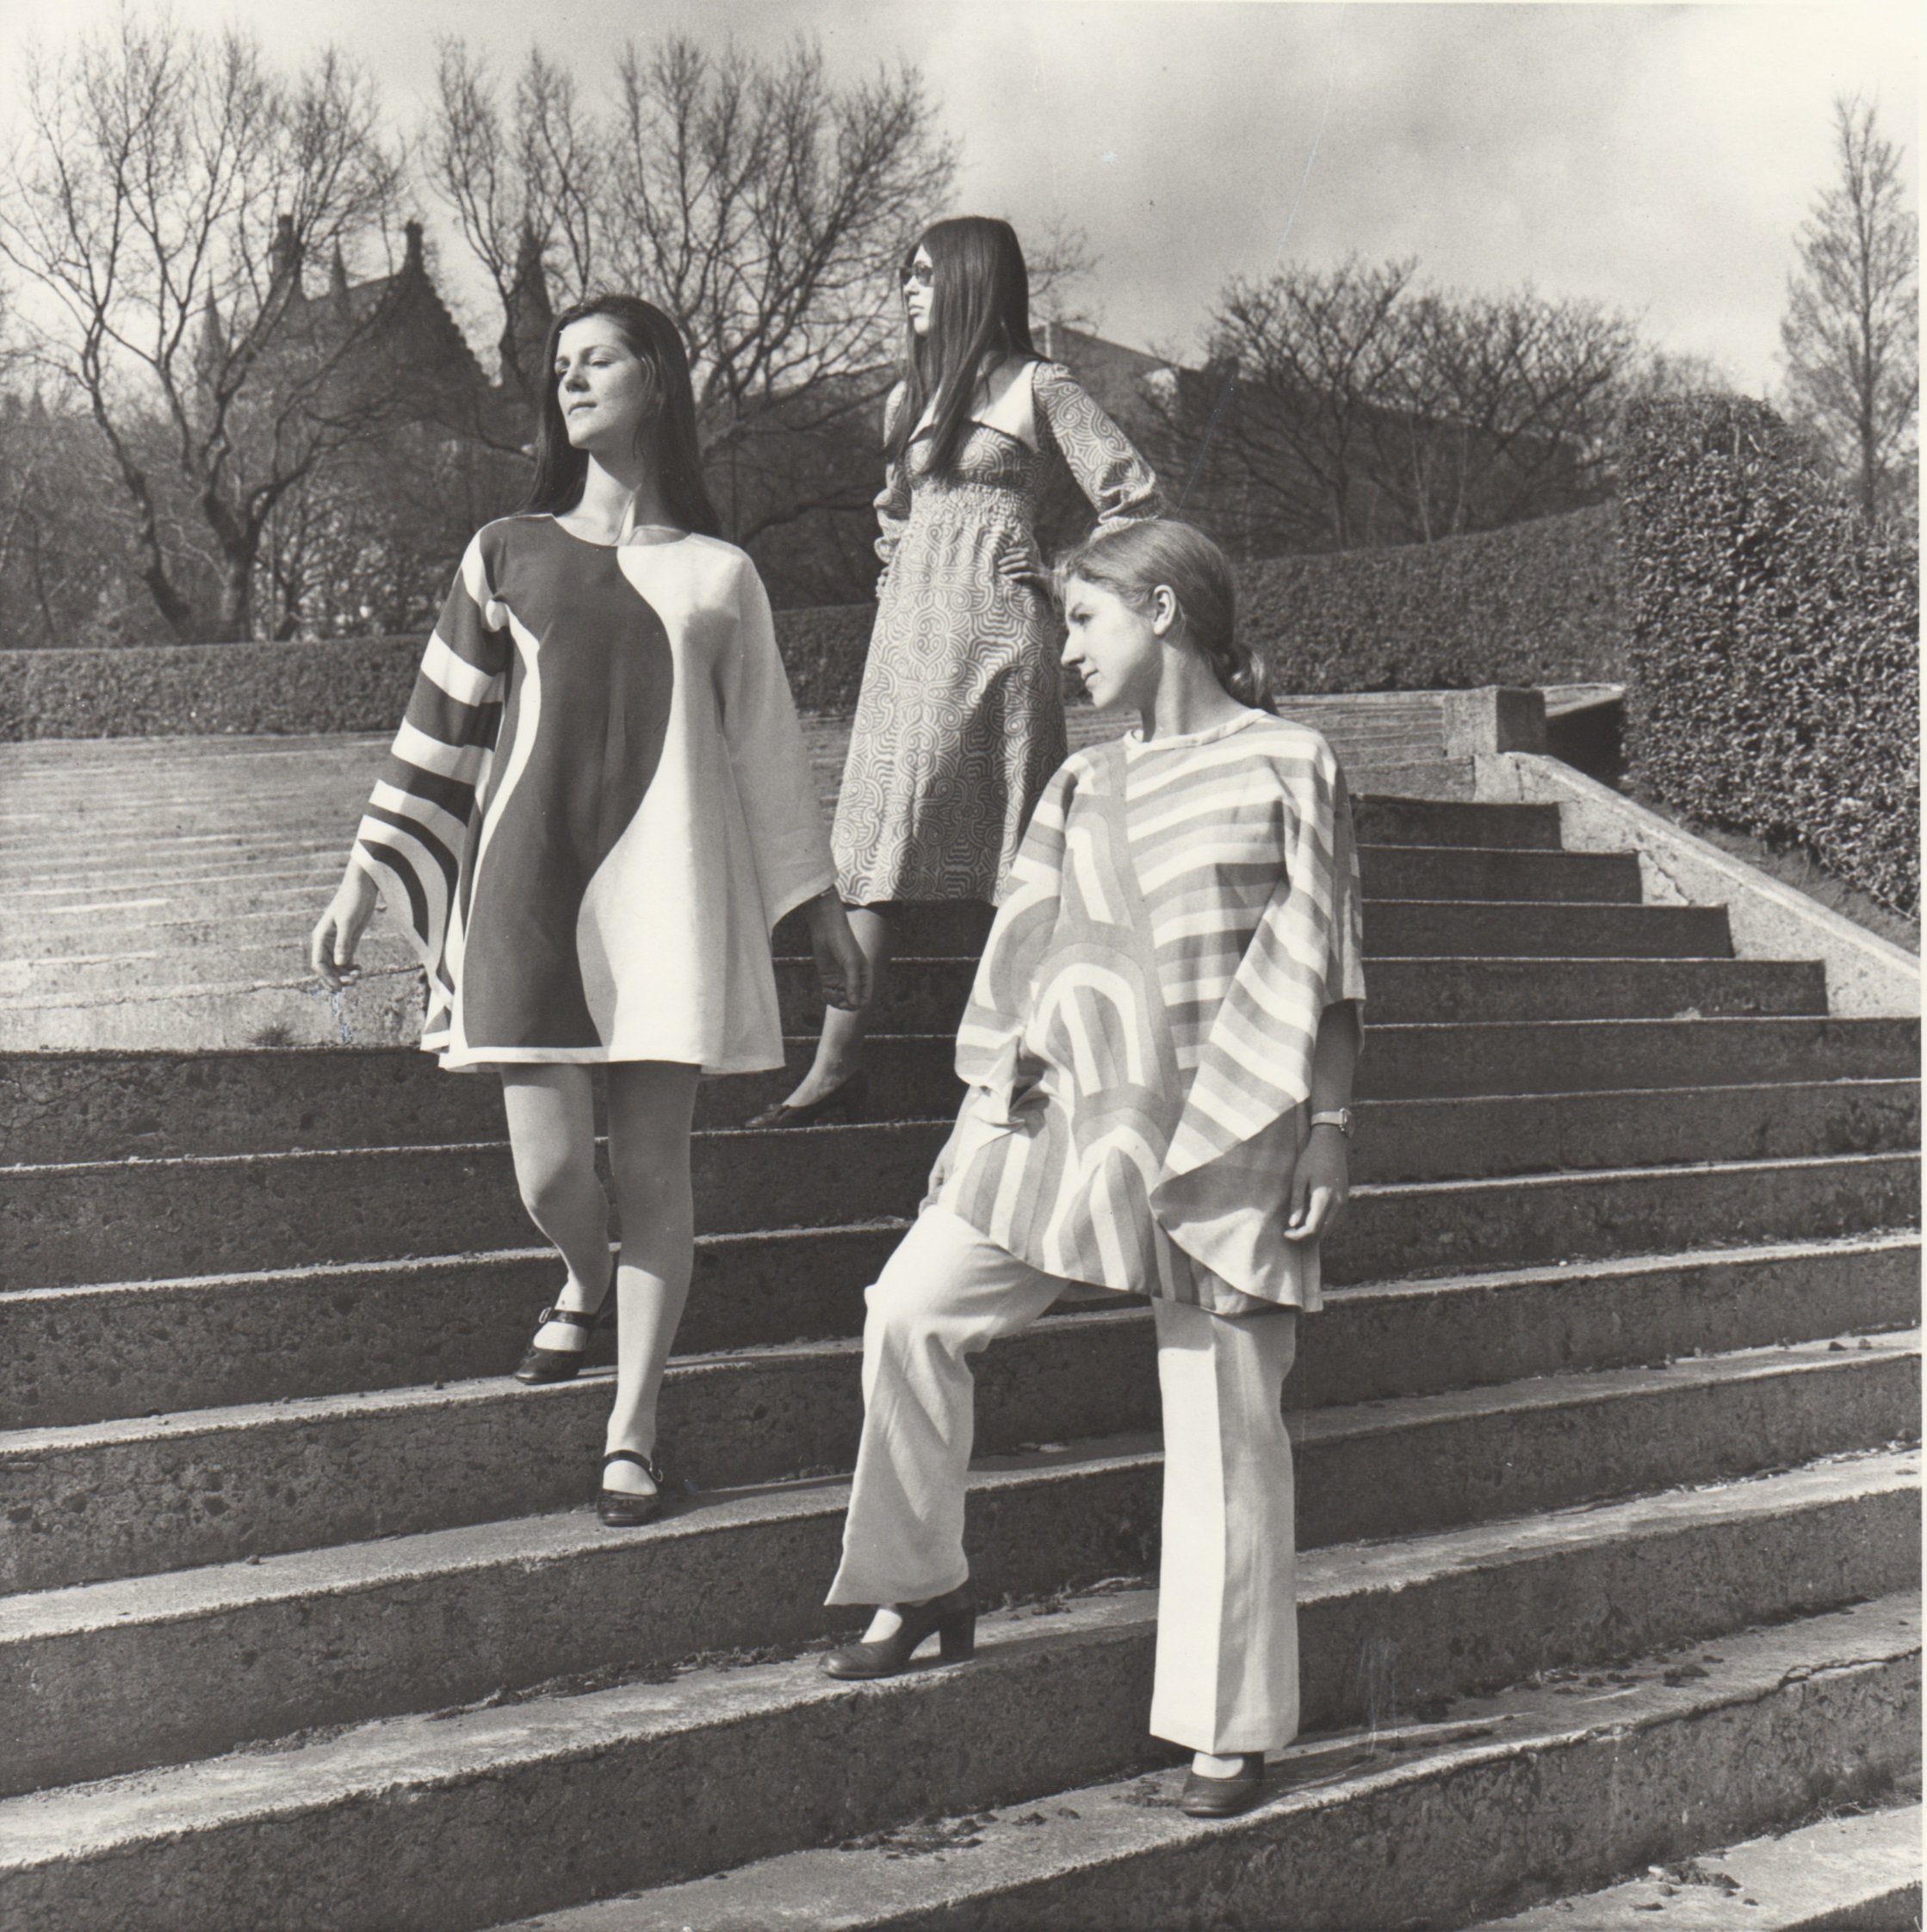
(917, 276)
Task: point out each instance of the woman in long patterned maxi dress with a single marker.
(596, 808)
(1158, 1051)
(960, 719)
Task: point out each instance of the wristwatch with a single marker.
(1341, 1119)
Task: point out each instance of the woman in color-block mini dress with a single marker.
(596, 808)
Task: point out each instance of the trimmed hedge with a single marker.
(1774, 679)
(1534, 603)
(823, 652)
(359, 684)
(176, 691)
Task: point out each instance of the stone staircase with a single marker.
(1606, 1493)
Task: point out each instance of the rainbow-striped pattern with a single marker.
(1139, 1041)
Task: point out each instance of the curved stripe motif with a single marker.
(1138, 1040)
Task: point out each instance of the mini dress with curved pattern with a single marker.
(960, 719)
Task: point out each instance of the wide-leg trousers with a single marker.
(1227, 1677)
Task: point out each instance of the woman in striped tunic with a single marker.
(597, 806)
(1159, 1050)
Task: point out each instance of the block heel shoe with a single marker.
(953, 1616)
(1206, 1797)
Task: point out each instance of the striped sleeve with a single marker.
(415, 829)
(1255, 1063)
(990, 1043)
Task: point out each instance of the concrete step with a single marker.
(1432, 872)
(1387, 820)
(93, 976)
(453, 1822)
(1860, 1872)
(126, 1220)
(1411, 1228)
(926, 994)
(104, 899)
(1538, 929)
(265, 862)
(1424, 1825)
(90, 1354)
(278, 868)
(137, 1496)
(452, 1616)
(104, 1107)
(1399, 928)
(385, 1009)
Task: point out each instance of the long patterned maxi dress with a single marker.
(960, 720)
(599, 804)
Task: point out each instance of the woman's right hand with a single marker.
(331, 946)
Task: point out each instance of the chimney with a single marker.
(411, 259)
(525, 330)
(284, 260)
(337, 278)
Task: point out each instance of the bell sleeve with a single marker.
(1117, 481)
(990, 1040)
(1224, 1192)
(415, 831)
(769, 759)
(893, 500)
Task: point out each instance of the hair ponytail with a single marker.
(1133, 560)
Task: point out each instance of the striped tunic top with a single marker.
(1139, 1038)
(599, 804)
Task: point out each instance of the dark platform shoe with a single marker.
(953, 1616)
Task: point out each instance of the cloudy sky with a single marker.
(1657, 158)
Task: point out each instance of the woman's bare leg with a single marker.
(552, 1136)
(840, 1049)
(650, 1106)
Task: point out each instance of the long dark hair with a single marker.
(1133, 560)
(980, 303)
(561, 469)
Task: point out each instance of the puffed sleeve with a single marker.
(893, 500)
(769, 759)
(416, 828)
(1104, 461)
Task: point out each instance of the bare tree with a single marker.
(525, 186)
(1850, 334)
(1348, 405)
(762, 203)
(165, 195)
(1312, 354)
(1498, 408)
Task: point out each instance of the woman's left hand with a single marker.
(1018, 566)
(841, 967)
(1321, 1185)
